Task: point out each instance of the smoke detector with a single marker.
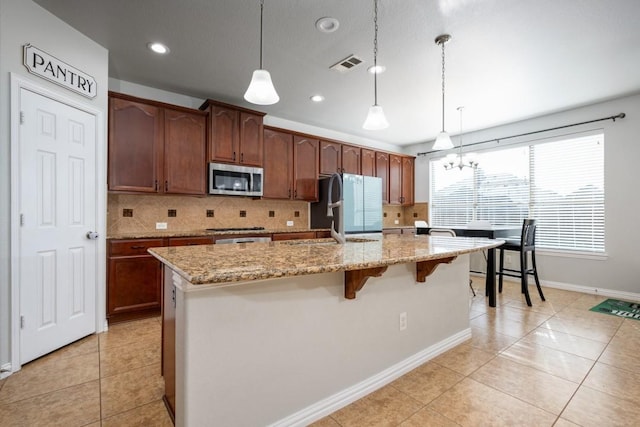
(347, 64)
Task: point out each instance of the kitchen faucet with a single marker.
(339, 234)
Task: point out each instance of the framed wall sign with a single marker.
(49, 67)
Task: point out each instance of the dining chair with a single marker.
(451, 233)
(526, 244)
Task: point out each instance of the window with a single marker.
(560, 184)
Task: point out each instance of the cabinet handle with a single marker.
(234, 156)
(295, 194)
(138, 247)
(289, 193)
(241, 157)
(156, 183)
(166, 186)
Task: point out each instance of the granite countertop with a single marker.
(159, 234)
(223, 265)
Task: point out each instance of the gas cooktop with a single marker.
(236, 229)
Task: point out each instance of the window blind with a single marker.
(560, 184)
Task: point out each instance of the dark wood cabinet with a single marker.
(401, 180)
(190, 241)
(305, 168)
(155, 147)
(133, 279)
(330, 157)
(408, 181)
(135, 146)
(278, 165)
(382, 171)
(235, 134)
(368, 162)
(395, 180)
(351, 159)
(185, 168)
(294, 235)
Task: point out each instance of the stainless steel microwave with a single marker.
(234, 180)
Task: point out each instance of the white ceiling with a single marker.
(508, 59)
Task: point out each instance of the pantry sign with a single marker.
(51, 68)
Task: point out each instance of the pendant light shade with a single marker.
(443, 140)
(376, 119)
(261, 90)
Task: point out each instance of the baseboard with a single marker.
(5, 370)
(613, 293)
(634, 296)
(341, 399)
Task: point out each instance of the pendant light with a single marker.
(443, 140)
(261, 90)
(375, 119)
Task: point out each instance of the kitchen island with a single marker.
(283, 333)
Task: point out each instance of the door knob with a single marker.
(92, 235)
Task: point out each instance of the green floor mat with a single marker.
(615, 307)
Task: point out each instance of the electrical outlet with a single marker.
(403, 321)
(289, 223)
(395, 221)
(161, 225)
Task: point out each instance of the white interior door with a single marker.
(57, 259)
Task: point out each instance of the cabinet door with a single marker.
(395, 180)
(135, 146)
(305, 168)
(185, 154)
(251, 142)
(278, 165)
(134, 285)
(351, 159)
(408, 181)
(368, 162)
(224, 141)
(382, 171)
(330, 157)
(191, 241)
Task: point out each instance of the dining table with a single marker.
(489, 232)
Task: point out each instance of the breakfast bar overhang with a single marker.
(284, 333)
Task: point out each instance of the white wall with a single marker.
(620, 270)
(22, 22)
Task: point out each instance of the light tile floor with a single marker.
(554, 364)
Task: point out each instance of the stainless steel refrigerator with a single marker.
(362, 203)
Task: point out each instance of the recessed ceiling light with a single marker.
(158, 48)
(327, 24)
(378, 69)
(317, 98)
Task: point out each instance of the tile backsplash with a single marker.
(136, 213)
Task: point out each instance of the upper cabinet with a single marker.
(278, 164)
(330, 157)
(235, 134)
(351, 159)
(367, 162)
(401, 180)
(305, 167)
(382, 171)
(155, 147)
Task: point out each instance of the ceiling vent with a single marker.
(347, 64)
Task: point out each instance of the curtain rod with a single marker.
(619, 116)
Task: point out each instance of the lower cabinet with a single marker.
(134, 279)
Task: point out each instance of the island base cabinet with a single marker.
(282, 342)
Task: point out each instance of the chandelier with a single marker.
(454, 160)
